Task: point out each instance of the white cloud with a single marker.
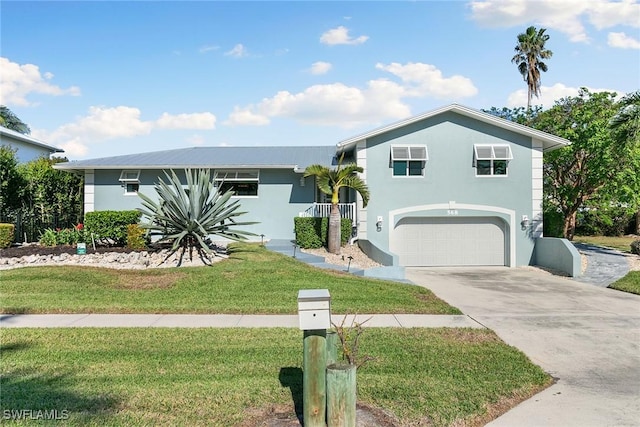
(74, 148)
(427, 80)
(122, 122)
(623, 41)
(340, 35)
(238, 51)
(340, 105)
(548, 95)
(320, 67)
(567, 16)
(17, 82)
(187, 121)
(246, 117)
(208, 48)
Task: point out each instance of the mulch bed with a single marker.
(26, 250)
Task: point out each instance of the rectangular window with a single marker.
(130, 181)
(408, 160)
(491, 160)
(242, 183)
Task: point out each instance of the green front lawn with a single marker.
(622, 244)
(629, 283)
(252, 281)
(219, 377)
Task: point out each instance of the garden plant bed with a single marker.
(34, 249)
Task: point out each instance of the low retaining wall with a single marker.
(558, 254)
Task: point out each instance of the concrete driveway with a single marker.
(586, 336)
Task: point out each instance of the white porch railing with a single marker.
(347, 210)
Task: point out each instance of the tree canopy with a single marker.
(9, 120)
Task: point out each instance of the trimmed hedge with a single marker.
(311, 232)
(6, 235)
(110, 227)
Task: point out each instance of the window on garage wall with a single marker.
(408, 160)
(244, 183)
(491, 160)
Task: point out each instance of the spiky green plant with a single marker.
(186, 217)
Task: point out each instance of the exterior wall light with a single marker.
(525, 223)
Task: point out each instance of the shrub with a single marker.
(311, 232)
(604, 221)
(49, 237)
(6, 235)
(186, 217)
(136, 237)
(110, 227)
(635, 247)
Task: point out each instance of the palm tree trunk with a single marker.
(333, 239)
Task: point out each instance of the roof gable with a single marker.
(550, 142)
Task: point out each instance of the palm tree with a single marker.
(330, 181)
(529, 54)
(10, 121)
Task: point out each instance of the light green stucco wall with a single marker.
(280, 199)
(450, 177)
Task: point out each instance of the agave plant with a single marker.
(186, 217)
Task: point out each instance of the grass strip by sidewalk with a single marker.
(219, 376)
(621, 243)
(252, 281)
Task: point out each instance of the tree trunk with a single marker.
(569, 227)
(333, 239)
(638, 223)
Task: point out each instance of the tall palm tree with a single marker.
(10, 121)
(330, 181)
(530, 52)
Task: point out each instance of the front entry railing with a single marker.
(347, 210)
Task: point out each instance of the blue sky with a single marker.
(110, 78)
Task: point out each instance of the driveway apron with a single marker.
(585, 336)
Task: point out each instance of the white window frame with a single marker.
(408, 154)
(492, 152)
(130, 177)
(238, 175)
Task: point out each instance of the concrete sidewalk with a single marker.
(223, 321)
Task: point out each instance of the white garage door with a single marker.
(449, 241)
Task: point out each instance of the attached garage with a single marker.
(450, 241)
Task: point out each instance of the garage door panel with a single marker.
(449, 241)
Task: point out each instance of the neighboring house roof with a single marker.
(295, 157)
(550, 142)
(11, 134)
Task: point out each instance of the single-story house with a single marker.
(452, 187)
(27, 148)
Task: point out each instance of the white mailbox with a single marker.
(314, 309)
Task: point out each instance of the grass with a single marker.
(252, 281)
(220, 377)
(622, 244)
(629, 283)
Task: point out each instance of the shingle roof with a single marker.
(294, 157)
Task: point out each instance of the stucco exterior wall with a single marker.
(26, 152)
(280, 198)
(450, 186)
